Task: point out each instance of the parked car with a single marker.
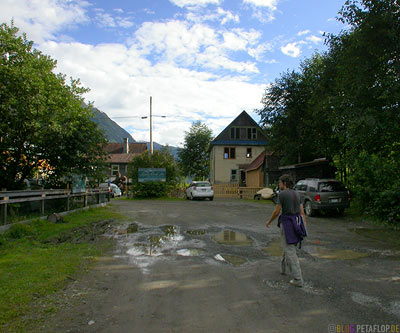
(323, 194)
(199, 189)
(114, 189)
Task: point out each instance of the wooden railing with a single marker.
(234, 191)
(10, 197)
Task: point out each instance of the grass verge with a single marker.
(33, 266)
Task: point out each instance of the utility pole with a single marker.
(151, 127)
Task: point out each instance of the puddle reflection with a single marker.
(228, 237)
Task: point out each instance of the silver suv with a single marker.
(323, 194)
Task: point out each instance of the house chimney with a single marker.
(126, 146)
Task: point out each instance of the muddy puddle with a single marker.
(231, 259)
(228, 237)
(199, 232)
(274, 249)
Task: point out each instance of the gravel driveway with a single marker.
(212, 266)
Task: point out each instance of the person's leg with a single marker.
(284, 263)
(291, 257)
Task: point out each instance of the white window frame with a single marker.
(114, 169)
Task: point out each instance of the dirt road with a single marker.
(206, 266)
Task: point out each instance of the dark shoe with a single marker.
(296, 283)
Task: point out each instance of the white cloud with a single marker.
(183, 44)
(119, 10)
(106, 20)
(43, 19)
(304, 32)
(185, 3)
(263, 3)
(314, 39)
(200, 15)
(259, 52)
(121, 81)
(291, 50)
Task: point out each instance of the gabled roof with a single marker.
(242, 120)
(258, 161)
(118, 148)
(120, 158)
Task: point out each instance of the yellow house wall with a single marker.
(220, 168)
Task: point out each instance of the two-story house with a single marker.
(234, 149)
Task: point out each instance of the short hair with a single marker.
(287, 180)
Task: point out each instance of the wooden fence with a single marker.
(234, 191)
(11, 197)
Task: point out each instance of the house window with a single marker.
(248, 153)
(235, 133)
(252, 133)
(229, 153)
(114, 169)
(234, 175)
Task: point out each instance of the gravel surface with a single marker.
(212, 266)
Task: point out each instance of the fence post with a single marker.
(85, 200)
(68, 200)
(4, 211)
(98, 197)
(42, 204)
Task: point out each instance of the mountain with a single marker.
(112, 131)
(116, 134)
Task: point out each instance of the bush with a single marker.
(149, 190)
(19, 231)
(375, 183)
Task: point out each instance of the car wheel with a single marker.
(308, 209)
(186, 196)
(275, 199)
(211, 198)
(257, 197)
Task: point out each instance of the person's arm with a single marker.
(303, 215)
(274, 215)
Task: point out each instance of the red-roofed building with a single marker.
(120, 154)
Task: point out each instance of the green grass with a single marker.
(32, 269)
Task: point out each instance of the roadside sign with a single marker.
(152, 175)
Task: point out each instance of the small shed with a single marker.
(318, 168)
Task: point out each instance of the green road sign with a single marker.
(152, 175)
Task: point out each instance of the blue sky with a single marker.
(201, 60)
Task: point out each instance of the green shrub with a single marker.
(375, 183)
(19, 231)
(149, 190)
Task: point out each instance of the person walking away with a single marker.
(292, 210)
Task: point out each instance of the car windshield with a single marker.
(203, 184)
(331, 187)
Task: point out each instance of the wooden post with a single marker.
(98, 197)
(68, 200)
(85, 200)
(4, 211)
(42, 204)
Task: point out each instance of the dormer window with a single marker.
(235, 133)
(252, 133)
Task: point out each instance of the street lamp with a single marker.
(151, 125)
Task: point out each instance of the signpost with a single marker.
(152, 175)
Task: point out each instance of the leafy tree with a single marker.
(194, 157)
(160, 159)
(43, 123)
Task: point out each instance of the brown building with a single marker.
(263, 171)
(120, 154)
(318, 168)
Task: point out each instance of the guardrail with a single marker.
(11, 197)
